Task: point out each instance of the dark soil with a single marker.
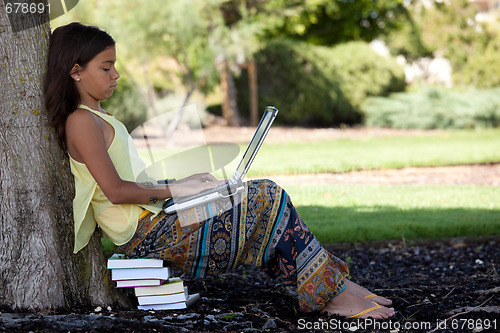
(454, 280)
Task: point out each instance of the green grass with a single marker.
(357, 213)
(448, 148)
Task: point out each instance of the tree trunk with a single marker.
(38, 271)
(228, 88)
(254, 94)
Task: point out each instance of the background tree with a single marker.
(449, 29)
(329, 22)
(38, 270)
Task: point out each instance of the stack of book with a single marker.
(154, 285)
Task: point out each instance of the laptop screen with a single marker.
(256, 142)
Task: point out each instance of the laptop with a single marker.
(235, 184)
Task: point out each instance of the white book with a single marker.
(172, 306)
(140, 273)
(119, 261)
(162, 299)
(138, 283)
(172, 286)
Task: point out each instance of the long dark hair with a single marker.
(71, 44)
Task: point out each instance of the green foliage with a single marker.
(407, 41)
(320, 86)
(483, 70)
(435, 108)
(293, 78)
(327, 22)
(452, 29)
(127, 105)
(448, 29)
(108, 248)
(363, 72)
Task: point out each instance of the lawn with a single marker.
(442, 148)
(446, 148)
(357, 213)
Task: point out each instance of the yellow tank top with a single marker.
(91, 207)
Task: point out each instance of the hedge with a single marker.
(435, 107)
(320, 86)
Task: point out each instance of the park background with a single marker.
(387, 131)
(362, 86)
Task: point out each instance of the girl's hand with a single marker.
(201, 177)
(194, 184)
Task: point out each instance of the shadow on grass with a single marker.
(360, 224)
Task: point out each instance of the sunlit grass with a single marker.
(445, 148)
(356, 213)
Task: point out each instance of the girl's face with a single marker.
(97, 80)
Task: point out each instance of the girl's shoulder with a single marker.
(85, 132)
(80, 114)
(81, 120)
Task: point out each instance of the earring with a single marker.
(78, 79)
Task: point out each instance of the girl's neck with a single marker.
(94, 106)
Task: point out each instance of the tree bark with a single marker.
(254, 93)
(38, 271)
(229, 106)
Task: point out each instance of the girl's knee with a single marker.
(263, 183)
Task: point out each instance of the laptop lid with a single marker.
(257, 140)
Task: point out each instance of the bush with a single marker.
(127, 105)
(314, 85)
(433, 108)
(483, 70)
(363, 72)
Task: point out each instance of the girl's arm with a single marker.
(87, 140)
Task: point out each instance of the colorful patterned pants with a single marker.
(262, 229)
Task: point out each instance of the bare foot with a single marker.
(363, 292)
(348, 304)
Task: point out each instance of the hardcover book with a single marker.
(119, 261)
(172, 286)
(140, 273)
(163, 299)
(172, 306)
(138, 283)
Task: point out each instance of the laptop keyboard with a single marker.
(223, 189)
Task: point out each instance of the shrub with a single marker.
(315, 85)
(363, 72)
(435, 108)
(483, 70)
(127, 105)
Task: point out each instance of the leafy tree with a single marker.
(329, 22)
(451, 29)
(448, 29)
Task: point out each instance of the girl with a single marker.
(262, 228)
